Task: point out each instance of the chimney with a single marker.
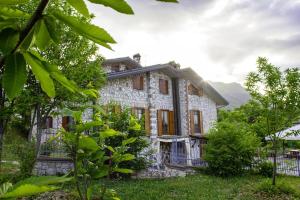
(137, 58)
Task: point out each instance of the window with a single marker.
(67, 122)
(196, 122)
(138, 82)
(163, 86)
(165, 122)
(48, 123)
(139, 112)
(195, 91)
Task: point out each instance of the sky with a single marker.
(220, 39)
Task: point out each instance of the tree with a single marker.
(278, 94)
(89, 151)
(25, 36)
(231, 148)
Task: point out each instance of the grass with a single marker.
(198, 187)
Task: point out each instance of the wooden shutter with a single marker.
(138, 82)
(171, 123)
(201, 122)
(117, 109)
(192, 127)
(135, 82)
(141, 82)
(133, 111)
(147, 121)
(159, 123)
(49, 122)
(65, 122)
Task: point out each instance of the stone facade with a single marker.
(52, 167)
(121, 91)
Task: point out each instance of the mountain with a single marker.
(234, 93)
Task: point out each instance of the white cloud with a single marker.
(220, 39)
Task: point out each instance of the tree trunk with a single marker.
(2, 99)
(38, 128)
(274, 163)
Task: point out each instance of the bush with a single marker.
(27, 156)
(278, 189)
(265, 168)
(231, 148)
(121, 121)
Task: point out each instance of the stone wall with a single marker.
(208, 108)
(52, 167)
(121, 91)
(166, 172)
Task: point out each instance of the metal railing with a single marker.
(285, 165)
(52, 148)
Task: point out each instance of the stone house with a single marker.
(178, 106)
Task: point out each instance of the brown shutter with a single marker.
(147, 121)
(135, 82)
(201, 122)
(190, 89)
(133, 111)
(117, 109)
(192, 127)
(161, 85)
(65, 122)
(159, 123)
(49, 122)
(171, 123)
(166, 87)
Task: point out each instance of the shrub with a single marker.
(278, 189)
(26, 153)
(231, 148)
(121, 121)
(265, 168)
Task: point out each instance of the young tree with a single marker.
(278, 94)
(25, 35)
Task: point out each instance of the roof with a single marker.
(291, 133)
(124, 60)
(186, 73)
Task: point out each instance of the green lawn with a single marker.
(198, 187)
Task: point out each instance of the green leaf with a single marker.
(8, 40)
(7, 12)
(41, 74)
(44, 180)
(108, 133)
(9, 23)
(59, 77)
(5, 187)
(110, 148)
(170, 1)
(86, 142)
(52, 28)
(88, 125)
(42, 35)
(118, 5)
(128, 141)
(15, 75)
(100, 172)
(80, 6)
(28, 190)
(88, 30)
(12, 2)
(122, 170)
(126, 157)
